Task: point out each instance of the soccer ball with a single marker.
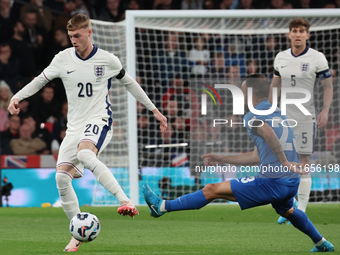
(85, 227)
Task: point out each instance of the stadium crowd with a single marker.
(32, 32)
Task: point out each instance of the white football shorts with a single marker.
(305, 134)
(96, 132)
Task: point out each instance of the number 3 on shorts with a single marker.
(247, 179)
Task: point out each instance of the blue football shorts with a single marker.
(251, 192)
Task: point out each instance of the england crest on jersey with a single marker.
(304, 67)
(99, 71)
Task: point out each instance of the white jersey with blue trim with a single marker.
(301, 71)
(87, 83)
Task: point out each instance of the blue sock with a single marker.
(194, 200)
(300, 220)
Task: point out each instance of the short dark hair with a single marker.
(259, 83)
(298, 22)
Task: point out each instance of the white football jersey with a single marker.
(301, 71)
(87, 83)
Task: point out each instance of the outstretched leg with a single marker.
(191, 201)
(87, 156)
(300, 220)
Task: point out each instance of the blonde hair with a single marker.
(5, 103)
(78, 21)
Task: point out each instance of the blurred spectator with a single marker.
(187, 100)
(38, 132)
(235, 136)
(329, 6)
(170, 61)
(171, 108)
(209, 5)
(7, 19)
(24, 107)
(44, 16)
(199, 57)
(9, 67)
(11, 133)
(47, 107)
(130, 5)
(233, 74)
(268, 55)
(143, 125)
(287, 6)
(234, 56)
(192, 4)
(61, 122)
(245, 4)
(337, 3)
(181, 130)
(252, 66)
(61, 42)
(276, 4)
(164, 5)
(226, 4)
(25, 144)
(74, 7)
(218, 69)
(154, 92)
(5, 95)
(305, 4)
(253, 44)
(111, 12)
(56, 5)
(55, 145)
(4, 120)
(23, 50)
(36, 35)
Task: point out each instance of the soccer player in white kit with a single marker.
(302, 67)
(86, 72)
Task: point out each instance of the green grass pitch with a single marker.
(215, 229)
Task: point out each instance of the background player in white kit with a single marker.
(86, 72)
(303, 67)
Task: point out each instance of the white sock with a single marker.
(320, 242)
(162, 208)
(69, 200)
(103, 175)
(304, 191)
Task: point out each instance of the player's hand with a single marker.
(13, 107)
(322, 119)
(160, 117)
(295, 167)
(211, 159)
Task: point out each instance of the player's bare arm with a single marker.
(268, 134)
(163, 120)
(245, 159)
(276, 83)
(327, 85)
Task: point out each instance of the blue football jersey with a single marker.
(269, 164)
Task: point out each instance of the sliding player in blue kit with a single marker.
(267, 187)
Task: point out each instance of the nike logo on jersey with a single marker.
(68, 72)
(88, 135)
(152, 207)
(304, 147)
(283, 66)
